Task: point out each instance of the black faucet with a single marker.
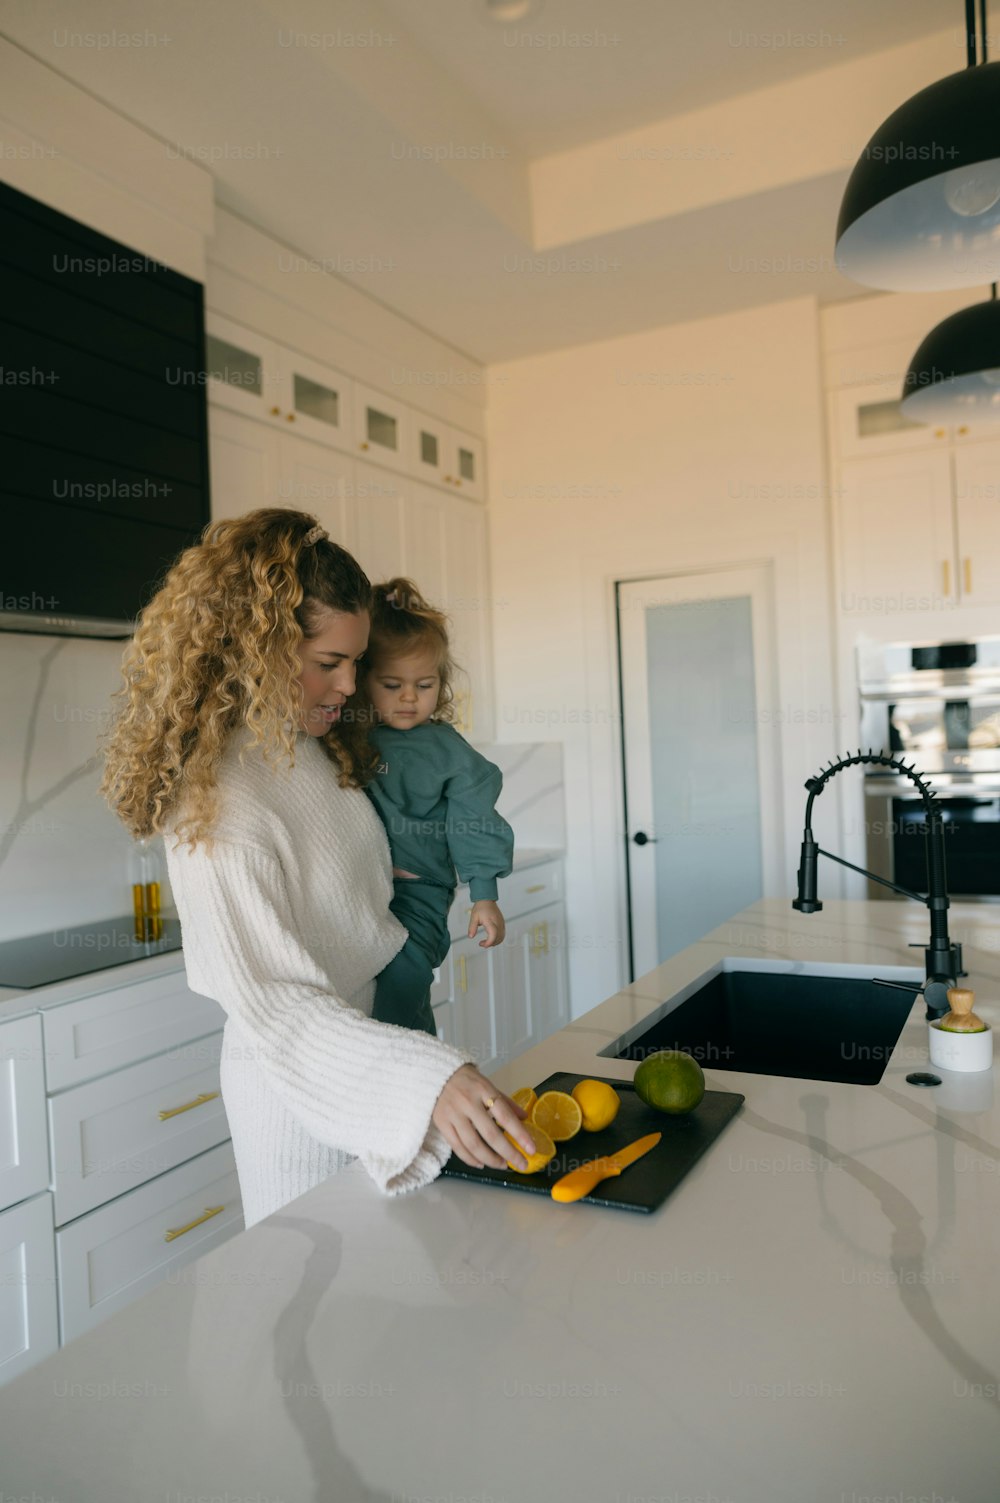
(943, 957)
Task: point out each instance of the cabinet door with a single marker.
(318, 400)
(465, 465)
(868, 420)
(467, 599)
(512, 991)
(381, 426)
(429, 448)
(546, 954)
(379, 521)
(244, 461)
(318, 480)
(243, 368)
(472, 997)
(424, 546)
(24, 1139)
(29, 1323)
(896, 534)
(977, 504)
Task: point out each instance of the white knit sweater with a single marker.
(282, 919)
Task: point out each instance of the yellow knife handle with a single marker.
(579, 1182)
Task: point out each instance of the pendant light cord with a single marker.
(982, 26)
(970, 33)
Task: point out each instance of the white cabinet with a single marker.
(468, 601)
(498, 1002)
(868, 420)
(392, 524)
(116, 1132)
(29, 1325)
(977, 516)
(446, 456)
(24, 1168)
(382, 428)
(920, 530)
(317, 399)
(243, 368)
(114, 1254)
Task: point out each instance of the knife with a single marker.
(579, 1182)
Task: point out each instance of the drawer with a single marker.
(115, 1254)
(117, 1027)
(24, 1134)
(29, 1326)
(519, 893)
(109, 1135)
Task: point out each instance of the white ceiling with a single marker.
(324, 144)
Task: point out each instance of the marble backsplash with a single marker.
(64, 857)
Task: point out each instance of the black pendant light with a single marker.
(921, 212)
(955, 374)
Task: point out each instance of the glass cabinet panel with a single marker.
(882, 417)
(429, 448)
(382, 429)
(227, 362)
(316, 401)
(466, 464)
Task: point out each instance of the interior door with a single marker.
(701, 751)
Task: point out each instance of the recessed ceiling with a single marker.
(348, 130)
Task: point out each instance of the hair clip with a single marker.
(390, 598)
(313, 535)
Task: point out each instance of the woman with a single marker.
(230, 739)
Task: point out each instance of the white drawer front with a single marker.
(115, 1254)
(114, 1028)
(519, 893)
(29, 1329)
(108, 1136)
(24, 1149)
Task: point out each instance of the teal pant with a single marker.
(403, 989)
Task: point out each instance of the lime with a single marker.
(670, 1081)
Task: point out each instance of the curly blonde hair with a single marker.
(216, 649)
(402, 623)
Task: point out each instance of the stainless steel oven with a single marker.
(936, 705)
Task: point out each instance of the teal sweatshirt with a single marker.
(435, 795)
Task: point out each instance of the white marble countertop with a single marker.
(811, 1317)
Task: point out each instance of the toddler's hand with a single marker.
(486, 915)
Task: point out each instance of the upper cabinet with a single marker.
(869, 420)
(261, 378)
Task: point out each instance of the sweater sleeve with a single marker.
(480, 841)
(364, 1087)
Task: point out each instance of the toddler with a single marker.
(435, 795)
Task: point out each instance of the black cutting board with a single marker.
(644, 1185)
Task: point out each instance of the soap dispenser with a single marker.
(960, 1040)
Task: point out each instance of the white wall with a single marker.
(679, 449)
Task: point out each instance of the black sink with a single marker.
(770, 1022)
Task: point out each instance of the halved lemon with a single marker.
(525, 1097)
(558, 1115)
(545, 1150)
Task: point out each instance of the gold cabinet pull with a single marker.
(963, 429)
(275, 411)
(178, 1231)
(946, 576)
(362, 446)
(967, 575)
(536, 887)
(940, 432)
(290, 417)
(540, 939)
(174, 1111)
(463, 974)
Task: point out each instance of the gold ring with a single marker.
(489, 1104)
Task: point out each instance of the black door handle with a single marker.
(641, 838)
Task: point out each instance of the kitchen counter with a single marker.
(811, 1317)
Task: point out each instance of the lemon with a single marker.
(545, 1150)
(525, 1097)
(558, 1115)
(670, 1081)
(598, 1102)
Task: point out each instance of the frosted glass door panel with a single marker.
(703, 747)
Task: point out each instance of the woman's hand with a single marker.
(475, 1132)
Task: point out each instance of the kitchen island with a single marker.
(811, 1317)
